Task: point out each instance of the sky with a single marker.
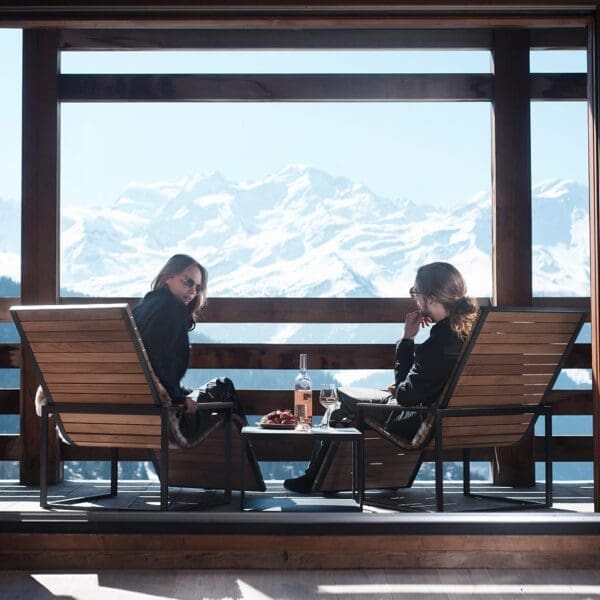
(430, 153)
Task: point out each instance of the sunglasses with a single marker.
(190, 283)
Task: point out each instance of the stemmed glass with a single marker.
(328, 399)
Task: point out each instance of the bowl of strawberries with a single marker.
(279, 419)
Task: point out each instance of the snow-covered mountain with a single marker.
(302, 232)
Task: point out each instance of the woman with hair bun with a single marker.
(440, 295)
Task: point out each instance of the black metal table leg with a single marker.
(243, 468)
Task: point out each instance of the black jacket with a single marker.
(422, 372)
(163, 323)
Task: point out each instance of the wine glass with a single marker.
(328, 399)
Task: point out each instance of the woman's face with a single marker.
(419, 299)
(185, 285)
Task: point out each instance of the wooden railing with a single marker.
(284, 356)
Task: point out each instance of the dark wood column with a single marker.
(594, 183)
(511, 206)
(40, 220)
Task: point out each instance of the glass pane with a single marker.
(558, 61)
(278, 61)
(10, 163)
(298, 200)
(561, 249)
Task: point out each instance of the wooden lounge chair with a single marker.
(493, 397)
(99, 384)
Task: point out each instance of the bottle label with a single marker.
(303, 406)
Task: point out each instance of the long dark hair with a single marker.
(443, 282)
(175, 266)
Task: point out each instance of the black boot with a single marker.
(300, 485)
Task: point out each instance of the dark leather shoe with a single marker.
(300, 485)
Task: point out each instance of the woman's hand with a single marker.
(414, 321)
(190, 405)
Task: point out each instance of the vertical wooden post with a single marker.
(511, 209)
(594, 183)
(39, 222)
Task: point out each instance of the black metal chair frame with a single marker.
(48, 409)
(439, 414)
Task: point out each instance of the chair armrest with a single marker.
(361, 406)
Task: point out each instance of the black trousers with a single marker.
(404, 423)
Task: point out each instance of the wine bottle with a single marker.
(303, 396)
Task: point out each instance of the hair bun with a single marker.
(466, 305)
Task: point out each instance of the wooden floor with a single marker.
(421, 584)
(568, 496)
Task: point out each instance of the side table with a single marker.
(332, 434)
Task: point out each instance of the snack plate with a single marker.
(277, 425)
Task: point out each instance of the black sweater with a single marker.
(422, 372)
(163, 323)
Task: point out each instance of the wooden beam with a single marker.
(10, 447)
(299, 310)
(294, 39)
(9, 401)
(570, 402)
(566, 86)
(293, 310)
(273, 356)
(511, 208)
(40, 220)
(322, 547)
(594, 190)
(275, 88)
(567, 448)
(304, 38)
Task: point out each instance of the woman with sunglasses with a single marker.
(440, 296)
(164, 319)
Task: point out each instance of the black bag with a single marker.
(221, 389)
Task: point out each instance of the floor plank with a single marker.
(421, 584)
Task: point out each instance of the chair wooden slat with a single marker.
(508, 370)
(494, 380)
(115, 438)
(44, 358)
(487, 420)
(512, 359)
(522, 328)
(84, 379)
(496, 400)
(64, 337)
(79, 325)
(93, 419)
(500, 337)
(94, 368)
(551, 349)
(483, 430)
(483, 441)
(498, 390)
(99, 348)
(86, 398)
(62, 313)
(132, 429)
(534, 316)
(101, 388)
